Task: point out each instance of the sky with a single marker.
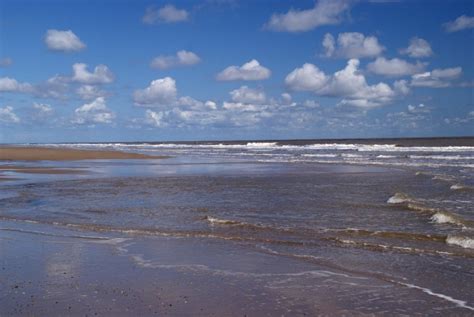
(92, 71)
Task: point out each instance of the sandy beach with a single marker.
(64, 154)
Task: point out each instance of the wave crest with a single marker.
(399, 198)
(461, 241)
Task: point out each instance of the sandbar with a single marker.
(65, 154)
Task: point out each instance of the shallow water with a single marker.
(312, 228)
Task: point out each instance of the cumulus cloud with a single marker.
(65, 41)
(178, 117)
(182, 58)
(190, 103)
(88, 92)
(325, 12)
(54, 87)
(167, 14)
(245, 94)
(95, 112)
(437, 78)
(418, 48)
(421, 108)
(347, 83)
(306, 78)
(8, 116)
(286, 98)
(467, 84)
(410, 118)
(6, 61)
(160, 92)
(351, 45)
(156, 119)
(468, 118)
(100, 75)
(461, 23)
(43, 108)
(251, 70)
(394, 67)
(188, 112)
(240, 106)
(42, 112)
(211, 104)
(8, 84)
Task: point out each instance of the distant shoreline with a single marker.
(411, 141)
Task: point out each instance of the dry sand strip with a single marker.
(65, 154)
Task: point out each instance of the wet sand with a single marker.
(80, 273)
(63, 154)
(35, 154)
(40, 170)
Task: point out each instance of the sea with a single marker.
(337, 227)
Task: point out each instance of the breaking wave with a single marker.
(446, 217)
(460, 187)
(436, 215)
(399, 198)
(461, 241)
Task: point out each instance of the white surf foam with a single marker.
(459, 187)
(457, 302)
(461, 241)
(399, 198)
(443, 217)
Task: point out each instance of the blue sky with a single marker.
(214, 70)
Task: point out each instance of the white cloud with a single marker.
(88, 92)
(437, 78)
(468, 118)
(286, 98)
(42, 112)
(8, 116)
(245, 94)
(101, 74)
(411, 118)
(240, 106)
(306, 78)
(421, 108)
(8, 84)
(155, 119)
(6, 61)
(161, 92)
(43, 109)
(251, 70)
(55, 87)
(166, 14)
(351, 45)
(211, 105)
(94, 112)
(467, 84)
(311, 104)
(418, 48)
(65, 41)
(461, 23)
(190, 103)
(325, 12)
(347, 83)
(178, 117)
(182, 58)
(394, 67)
(329, 45)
